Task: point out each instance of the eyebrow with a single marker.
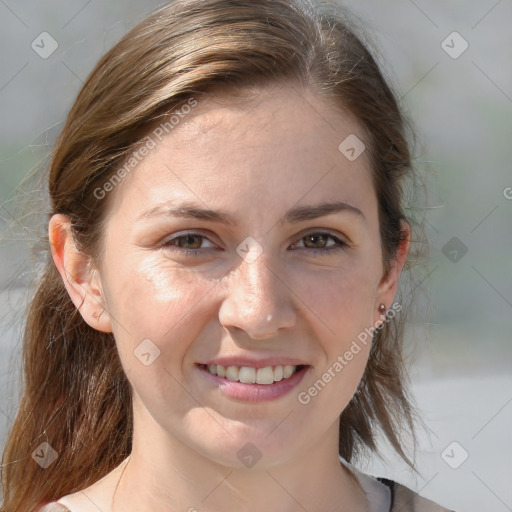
(294, 215)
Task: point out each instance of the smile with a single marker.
(249, 375)
(250, 384)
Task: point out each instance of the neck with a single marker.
(165, 475)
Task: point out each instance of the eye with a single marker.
(189, 243)
(318, 242)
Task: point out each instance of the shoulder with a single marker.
(54, 507)
(384, 494)
(405, 500)
(76, 502)
(94, 498)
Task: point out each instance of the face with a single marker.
(218, 251)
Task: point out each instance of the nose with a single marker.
(257, 301)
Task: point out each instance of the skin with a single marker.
(255, 159)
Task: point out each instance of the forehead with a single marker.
(268, 117)
(279, 143)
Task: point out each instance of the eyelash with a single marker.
(340, 244)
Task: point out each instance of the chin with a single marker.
(262, 448)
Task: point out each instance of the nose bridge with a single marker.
(256, 300)
(257, 277)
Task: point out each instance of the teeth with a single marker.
(265, 375)
(278, 373)
(232, 373)
(249, 375)
(288, 371)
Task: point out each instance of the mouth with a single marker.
(251, 384)
(265, 376)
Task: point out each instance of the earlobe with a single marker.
(82, 282)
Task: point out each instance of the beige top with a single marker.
(382, 497)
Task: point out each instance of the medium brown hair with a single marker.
(76, 395)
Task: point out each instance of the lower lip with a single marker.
(255, 392)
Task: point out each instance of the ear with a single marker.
(388, 285)
(82, 281)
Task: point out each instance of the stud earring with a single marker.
(382, 309)
(96, 315)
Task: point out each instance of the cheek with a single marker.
(341, 307)
(159, 312)
(341, 299)
(152, 301)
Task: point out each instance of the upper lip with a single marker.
(256, 363)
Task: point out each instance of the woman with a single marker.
(219, 315)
